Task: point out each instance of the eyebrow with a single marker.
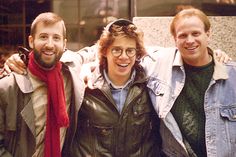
(123, 47)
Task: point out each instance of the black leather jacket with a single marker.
(104, 132)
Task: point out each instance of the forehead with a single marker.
(55, 28)
(124, 41)
(189, 23)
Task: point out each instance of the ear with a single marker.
(175, 40)
(31, 41)
(208, 36)
(208, 33)
(64, 45)
(105, 54)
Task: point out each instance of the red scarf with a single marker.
(56, 109)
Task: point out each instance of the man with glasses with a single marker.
(117, 51)
(116, 117)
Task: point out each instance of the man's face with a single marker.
(119, 68)
(192, 40)
(48, 44)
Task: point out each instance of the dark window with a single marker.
(16, 17)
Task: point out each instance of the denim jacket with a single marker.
(167, 78)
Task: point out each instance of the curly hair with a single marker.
(120, 27)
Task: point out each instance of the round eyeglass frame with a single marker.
(117, 51)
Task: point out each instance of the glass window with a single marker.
(16, 17)
(170, 7)
(85, 19)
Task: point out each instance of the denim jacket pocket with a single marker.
(156, 85)
(228, 133)
(229, 112)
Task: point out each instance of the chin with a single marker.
(47, 65)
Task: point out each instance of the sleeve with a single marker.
(88, 54)
(150, 58)
(3, 151)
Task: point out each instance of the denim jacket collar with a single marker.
(220, 71)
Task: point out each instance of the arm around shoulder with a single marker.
(88, 54)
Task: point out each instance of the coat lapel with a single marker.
(25, 105)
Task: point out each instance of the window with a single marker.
(16, 17)
(170, 7)
(85, 19)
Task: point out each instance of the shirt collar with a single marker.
(119, 87)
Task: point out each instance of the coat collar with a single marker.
(23, 81)
(98, 78)
(220, 71)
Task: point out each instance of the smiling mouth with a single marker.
(48, 53)
(123, 65)
(191, 48)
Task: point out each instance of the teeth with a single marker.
(191, 48)
(123, 65)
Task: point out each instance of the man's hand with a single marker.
(86, 73)
(221, 56)
(2, 73)
(14, 63)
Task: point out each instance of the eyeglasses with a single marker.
(117, 51)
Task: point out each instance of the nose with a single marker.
(190, 39)
(49, 43)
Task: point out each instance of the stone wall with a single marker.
(223, 32)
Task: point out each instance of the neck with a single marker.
(119, 82)
(204, 60)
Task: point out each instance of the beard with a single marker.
(48, 65)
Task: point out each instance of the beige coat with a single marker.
(17, 128)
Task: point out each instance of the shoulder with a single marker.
(71, 57)
(14, 81)
(155, 51)
(159, 59)
(7, 81)
(231, 67)
(158, 54)
(88, 54)
(8, 87)
(231, 64)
